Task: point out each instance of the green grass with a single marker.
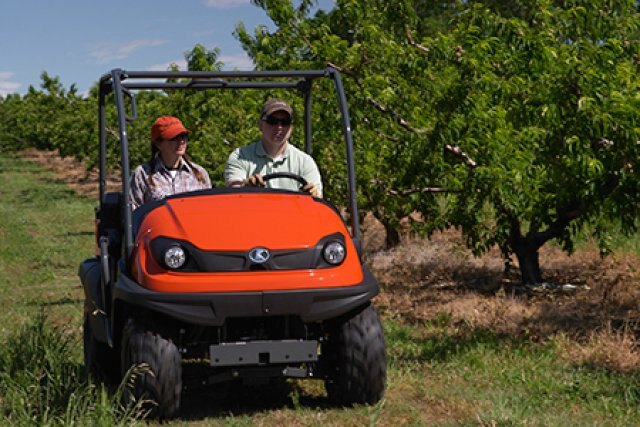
(504, 381)
(440, 373)
(616, 240)
(45, 231)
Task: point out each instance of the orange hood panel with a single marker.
(238, 222)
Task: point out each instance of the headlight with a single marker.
(334, 253)
(175, 257)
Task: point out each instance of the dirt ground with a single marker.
(590, 303)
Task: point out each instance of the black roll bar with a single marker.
(351, 171)
(124, 160)
(198, 75)
(102, 134)
(307, 116)
(121, 82)
(211, 84)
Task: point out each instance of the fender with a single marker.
(90, 276)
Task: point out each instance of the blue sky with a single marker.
(79, 40)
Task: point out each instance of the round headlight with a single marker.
(334, 253)
(175, 257)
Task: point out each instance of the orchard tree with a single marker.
(57, 118)
(219, 119)
(525, 113)
(51, 118)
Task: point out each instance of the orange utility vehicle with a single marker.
(199, 292)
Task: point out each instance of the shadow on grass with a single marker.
(58, 302)
(78, 233)
(43, 381)
(404, 346)
(44, 194)
(236, 400)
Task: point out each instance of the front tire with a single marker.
(156, 380)
(356, 359)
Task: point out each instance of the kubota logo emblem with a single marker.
(259, 255)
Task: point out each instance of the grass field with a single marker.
(444, 369)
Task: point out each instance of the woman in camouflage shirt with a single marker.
(169, 170)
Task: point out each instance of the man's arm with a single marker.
(311, 173)
(234, 171)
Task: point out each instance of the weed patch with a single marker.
(43, 383)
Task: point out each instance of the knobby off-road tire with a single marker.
(355, 353)
(100, 361)
(156, 380)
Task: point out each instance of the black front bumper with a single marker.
(211, 309)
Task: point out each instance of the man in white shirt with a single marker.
(272, 154)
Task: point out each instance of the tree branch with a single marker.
(457, 151)
(409, 191)
(341, 69)
(413, 43)
(402, 122)
(377, 104)
(556, 228)
(113, 132)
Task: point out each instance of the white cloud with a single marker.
(107, 52)
(241, 62)
(224, 4)
(6, 85)
(181, 63)
(231, 62)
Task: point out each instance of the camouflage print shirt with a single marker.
(153, 181)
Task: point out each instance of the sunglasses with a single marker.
(180, 137)
(274, 121)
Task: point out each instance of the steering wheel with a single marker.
(289, 175)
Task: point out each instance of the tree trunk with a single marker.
(526, 250)
(393, 236)
(526, 247)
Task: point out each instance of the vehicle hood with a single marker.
(238, 222)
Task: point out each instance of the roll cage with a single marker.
(123, 83)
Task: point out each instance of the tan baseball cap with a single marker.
(273, 105)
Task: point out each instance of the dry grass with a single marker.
(71, 171)
(610, 348)
(598, 322)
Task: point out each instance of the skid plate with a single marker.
(263, 352)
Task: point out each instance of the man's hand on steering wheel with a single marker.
(255, 180)
(311, 189)
(305, 186)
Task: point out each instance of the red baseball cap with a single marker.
(167, 127)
